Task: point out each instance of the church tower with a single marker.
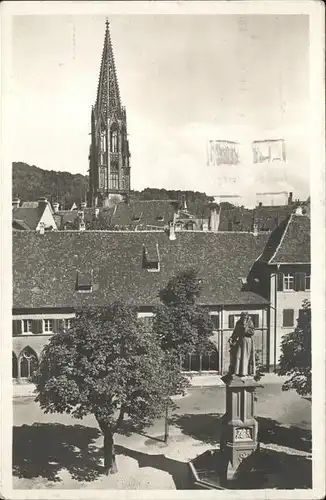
(109, 158)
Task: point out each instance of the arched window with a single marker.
(14, 366)
(28, 363)
(114, 141)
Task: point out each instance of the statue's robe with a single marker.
(242, 352)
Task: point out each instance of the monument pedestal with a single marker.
(239, 427)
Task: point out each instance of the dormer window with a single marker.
(151, 259)
(160, 218)
(136, 218)
(84, 282)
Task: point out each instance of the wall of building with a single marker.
(47, 219)
(32, 343)
(280, 300)
(216, 361)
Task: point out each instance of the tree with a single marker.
(182, 325)
(295, 359)
(107, 364)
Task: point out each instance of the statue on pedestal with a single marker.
(242, 350)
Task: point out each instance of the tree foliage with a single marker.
(182, 325)
(295, 359)
(109, 365)
(30, 183)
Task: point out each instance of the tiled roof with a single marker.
(267, 218)
(144, 213)
(45, 266)
(236, 219)
(294, 247)
(30, 215)
(69, 218)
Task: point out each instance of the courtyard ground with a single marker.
(56, 451)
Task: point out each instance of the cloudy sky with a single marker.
(184, 80)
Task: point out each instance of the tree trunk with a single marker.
(110, 465)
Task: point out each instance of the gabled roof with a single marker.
(269, 217)
(240, 219)
(69, 217)
(45, 266)
(30, 215)
(146, 213)
(294, 245)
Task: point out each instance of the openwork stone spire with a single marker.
(108, 92)
(109, 165)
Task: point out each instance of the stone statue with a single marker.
(242, 350)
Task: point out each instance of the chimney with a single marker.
(42, 202)
(290, 198)
(83, 205)
(260, 204)
(41, 228)
(55, 207)
(81, 221)
(15, 203)
(171, 231)
(214, 220)
(183, 202)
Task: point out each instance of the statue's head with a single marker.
(244, 315)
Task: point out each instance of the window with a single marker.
(233, 318)
(215, 320)
(307, 282)
(84, 282)
(147, 320)
(48, 325)
(27, 326)
(288, 281)
(153, 266)
(114, 141)
(27, 363)
(103, 148)
(288, 317)
(201, 362)
(255, 319)
(114, 180)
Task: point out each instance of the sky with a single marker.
(184, 79)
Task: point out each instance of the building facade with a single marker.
(109, 156)
(56, 274)
(284, 269)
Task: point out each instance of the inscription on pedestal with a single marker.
(242, 434)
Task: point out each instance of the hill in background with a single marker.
(30, 183)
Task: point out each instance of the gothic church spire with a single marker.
(108, 92)
(109, 157)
